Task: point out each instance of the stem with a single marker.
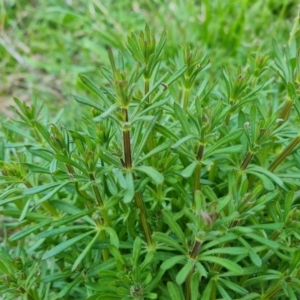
(284, 114)
(186, 99)
(98, 221)
(193, 255)
(147, 88)
(197, 172)
(126, 143)
(247, 160)
(138, 196)
(273, 292)
(143, 218)
(100, 202)
(284, 154)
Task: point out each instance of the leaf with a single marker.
(66, 220)
(189, 170)
(169, 219)
(52, 193)
(57, 231)
(41, 188)
(85, 251)
(184, 272)
(226, 263)
(267, 173)
(164, 146)
(66, 160)
(87, 102)
(264, 241)
(68, 287)
(228, 150)
(255, 258)
(169, 263)
(195, 286)
(151, 172)
(114, 239)
(92, 86)
(184, 139)
(176, 75)
(130, 190)
(227, 250)
(139, 145)
(64, 245)
(230, 137)
(136, 251)
(174, 291)
(163, 238)
(29, 230)
(234, 287)
(181, 116)
(106, 113)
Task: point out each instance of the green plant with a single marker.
(167, 187)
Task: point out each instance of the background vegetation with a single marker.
(44, 45)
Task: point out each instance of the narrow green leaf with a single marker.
(184, 272)
(72, 209)
(64, 245)
(230, 137)
(255, 258)
(176, 75)
(189, 170)
(68, 287)
(184, 139)
(264, 241)
(66, 220)
(114, 239)
(157, 177)
(41, 188)
(195, 286)
(106, 113)
(267, 173)
(169, 219)
(84, 101)
(164, 146)
(136, 251)
(92, 86)
(228, 250)
(85, 251)
(169, 263)
(130, 190)
(66, 160)
(66, 229)
(25, 232)
(139, 145)
(163, 238)
(181, 116)
(52, 193)
(174, 291)
(226, 263)
(234, 287)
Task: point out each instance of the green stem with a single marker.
(197, 172)
(272, 292)
(284, 114)
(186, 98)
(247, 160)
(138, 196)
(99, 202)
(193, 255)
(284, 153)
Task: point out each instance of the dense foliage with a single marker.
(167, 187)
